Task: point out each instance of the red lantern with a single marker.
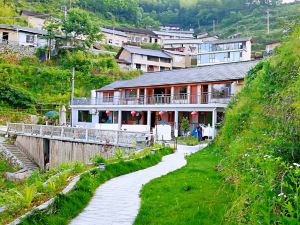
(161, 113)
(107, 113)
(194, 113)
(133, 113)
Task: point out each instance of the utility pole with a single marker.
(72, 96)
(268, 21)
(73, 81)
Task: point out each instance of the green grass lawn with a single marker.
(195, 194)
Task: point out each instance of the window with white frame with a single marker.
(30, 38)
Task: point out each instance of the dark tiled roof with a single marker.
(134, 30)
(35, 14)
(112, 86)
(25, 29)
(111, 31)
(221, 72)
(144, 51)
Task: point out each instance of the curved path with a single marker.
(117, 201)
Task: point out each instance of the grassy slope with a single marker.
(192, 195)
(259, 146)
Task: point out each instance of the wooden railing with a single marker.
(160, 99)
(108, 137)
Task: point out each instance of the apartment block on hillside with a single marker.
(224, 51)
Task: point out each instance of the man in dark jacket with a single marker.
(199, 131)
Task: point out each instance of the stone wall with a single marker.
(21, 51)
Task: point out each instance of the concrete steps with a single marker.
(27, 162)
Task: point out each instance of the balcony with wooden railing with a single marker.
(159, 99)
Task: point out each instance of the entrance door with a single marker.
(153, 119)
(204, 94)
(46, 152)
(193, 97)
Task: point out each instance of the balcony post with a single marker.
(189, 94)
(138, 95)
(145, 96)
(149, 120)
(198, 93)
(209, 96)
(119, 119)
(214, 121)
(176, 119)
(172, 94)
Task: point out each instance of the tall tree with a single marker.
(80, 29)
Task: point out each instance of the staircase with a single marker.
(27, 162)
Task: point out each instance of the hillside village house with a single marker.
(36, 20)
(185, 45)
(114, 37)
(147, 60)
(163, 35)
(136, 35)
(23, 36)
(181, 60)
(200, 94)
(224, 51)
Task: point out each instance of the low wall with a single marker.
(22, 51)
(63, 151)
(33, 147)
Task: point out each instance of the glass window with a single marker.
(84, 116)
(108, 96)
(30, 39)
(221, 90)
(131, 93)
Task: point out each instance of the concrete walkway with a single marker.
(117, 201)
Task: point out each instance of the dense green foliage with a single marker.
(192, 195)
(15, 96)
(66, 207)
(258, 151)
(261, 140)
(231, 17)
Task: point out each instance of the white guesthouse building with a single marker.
(200, 94)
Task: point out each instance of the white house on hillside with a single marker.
(224, 51)
(199, 94)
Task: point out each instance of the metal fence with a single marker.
(108, 137)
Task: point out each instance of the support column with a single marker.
(176, 125)
(145, 96)
(189, 94)
(149, 119)
(209, 93)
(214, 121)
(172, 93)
(119, 119)
(199, 93)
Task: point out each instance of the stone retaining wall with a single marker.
(21, 51)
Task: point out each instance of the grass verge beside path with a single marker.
(193, 195)
(66, 207)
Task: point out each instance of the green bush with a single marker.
(15, 96)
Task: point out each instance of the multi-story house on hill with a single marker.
(137, 35)
(224, 51)
(199, 94)
(147, 60)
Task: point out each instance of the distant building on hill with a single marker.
(36, 20)
(23, 36)
(114, 37)
(224, 51)
(147, 60)
(137, 35)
